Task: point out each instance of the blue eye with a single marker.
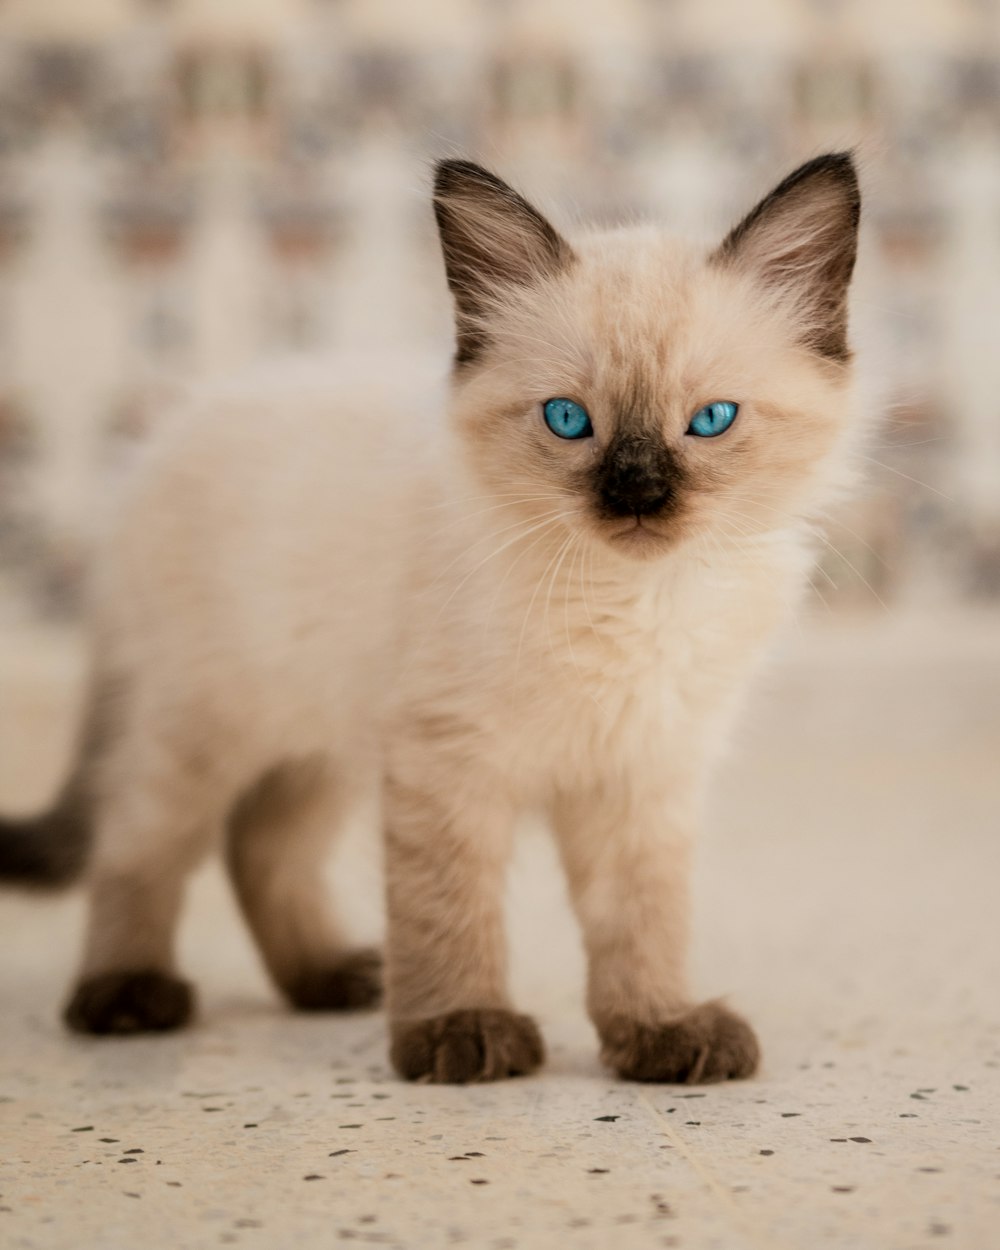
(567, 419)
(714, 418)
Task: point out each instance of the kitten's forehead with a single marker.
(634, 291)
(611, 322)
(634, 285)
(662, 329)
(642, 330)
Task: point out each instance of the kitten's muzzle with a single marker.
(638, 476)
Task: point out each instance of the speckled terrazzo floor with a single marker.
(848, 900)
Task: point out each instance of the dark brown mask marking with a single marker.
(637, 476)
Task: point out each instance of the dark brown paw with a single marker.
(352, 982)
(130, 1002)
(465, 1046)
(710, 1043)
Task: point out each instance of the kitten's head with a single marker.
(696, 395)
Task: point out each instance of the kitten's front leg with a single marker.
(627, 853)
(448, 836)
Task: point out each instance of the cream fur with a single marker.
(348, 571)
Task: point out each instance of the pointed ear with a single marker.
(801, 241)
(491, 239)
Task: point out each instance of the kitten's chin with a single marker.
(637, 539)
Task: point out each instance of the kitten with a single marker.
(549, 599)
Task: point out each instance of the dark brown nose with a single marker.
(637, 476)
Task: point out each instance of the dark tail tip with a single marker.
(45, 853)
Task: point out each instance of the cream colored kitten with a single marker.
(483, 605)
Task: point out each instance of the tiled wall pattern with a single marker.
(186, 185)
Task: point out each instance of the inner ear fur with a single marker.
(801, 241)
(492, 239)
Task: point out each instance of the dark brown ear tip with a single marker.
(841, 163)
(838, 167)
(453, 174)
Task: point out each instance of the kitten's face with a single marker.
(642, 336)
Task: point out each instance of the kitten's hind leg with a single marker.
(277, 836)
(152, 825)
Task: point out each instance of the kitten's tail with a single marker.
(50, 850)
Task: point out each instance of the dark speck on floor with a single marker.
(608, 1119)
(693, 1123)
(128, 1160)
(84, 1128)
(767, 1152)
(110, 1140)
(790, 1115)
(136, 1150)
(350, 1126)
(866, 1140)
(598, 1171)
(908, 1115)
(961, 1088)
(474, 1154)
(479, 1180)
(252, 1124)
(313, 1176)
(842, 1189)
(939, 1230)
(333, 1153)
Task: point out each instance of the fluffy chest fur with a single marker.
(560, 665)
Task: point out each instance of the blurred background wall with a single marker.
(187, 185)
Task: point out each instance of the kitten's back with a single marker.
(257, 552)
